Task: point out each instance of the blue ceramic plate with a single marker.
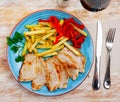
(87, 50)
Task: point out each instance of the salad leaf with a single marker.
(19, 59)
(14, 48)
(9, 41)
(13, 43)
(18, 37)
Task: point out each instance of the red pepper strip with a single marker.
(68, 30)
(55, 23)
(81, 26)
(78, 42)
(41, 20)
(57, 39)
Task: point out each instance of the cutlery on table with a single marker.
(109, 45)
(96, 77)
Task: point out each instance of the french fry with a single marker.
(31, 29)
(44, 24)
(43, 46)
(35, 43)
(35, 32)
(60, 42)
(35, 50)
(28, 39)
(45, 52)
(32, 38)
(61, 22)
(38, 36)
(59, 48)
(32, 26)
(47, 36)
(79, 30)
(33, 46)
(52, 38)
(41, 42)
(51, 31)
(24, 49)
(76, 52)
(42, 28)
(50, 51)
(52, 54)
(50, 42)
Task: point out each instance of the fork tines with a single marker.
(111, 34)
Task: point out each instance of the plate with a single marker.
(87, 50)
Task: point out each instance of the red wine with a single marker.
(95, 5)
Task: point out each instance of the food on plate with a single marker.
(47, 34)
(29, 68)
(53, 72)
(75, 63)
(53, 76)
(62, 71)
(40, 79)
(50, 52)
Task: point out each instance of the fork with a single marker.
(109, 45)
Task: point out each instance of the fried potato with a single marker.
(33, 26)
(44, 24)
(24, 49)
(79, 30)
(76, 52)
(47, 36)
(59, 43)
(35, 32)
(43, 46)
(51, 54)
(50, 51)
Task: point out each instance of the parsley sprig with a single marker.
(15, 47)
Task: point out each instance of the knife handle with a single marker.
(96, 77)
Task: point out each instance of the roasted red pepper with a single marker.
(77, 42)
(67, 30)
(81, 26)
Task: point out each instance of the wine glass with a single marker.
(95, 5)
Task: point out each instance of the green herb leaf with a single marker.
(14, 48)
(18, 37)
(19, 59)
(9, 41)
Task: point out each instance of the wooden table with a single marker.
(11, 11)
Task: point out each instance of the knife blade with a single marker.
(96, 77)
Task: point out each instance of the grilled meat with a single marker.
(40, 79)
(28, 69)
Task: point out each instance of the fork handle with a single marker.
(107, 79)
(96, 78)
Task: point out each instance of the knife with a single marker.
(96, 77)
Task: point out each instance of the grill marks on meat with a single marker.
(79, 60)
(40, 79)
(29, 68)
(54, 72)
(53, 76)
(62, 72)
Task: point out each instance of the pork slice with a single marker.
(52, 75)
(63, 75)
(80, 61)
(66, 59)
(40, 79)
(73, 73)
(28, 69)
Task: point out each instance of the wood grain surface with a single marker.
(11, 11)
